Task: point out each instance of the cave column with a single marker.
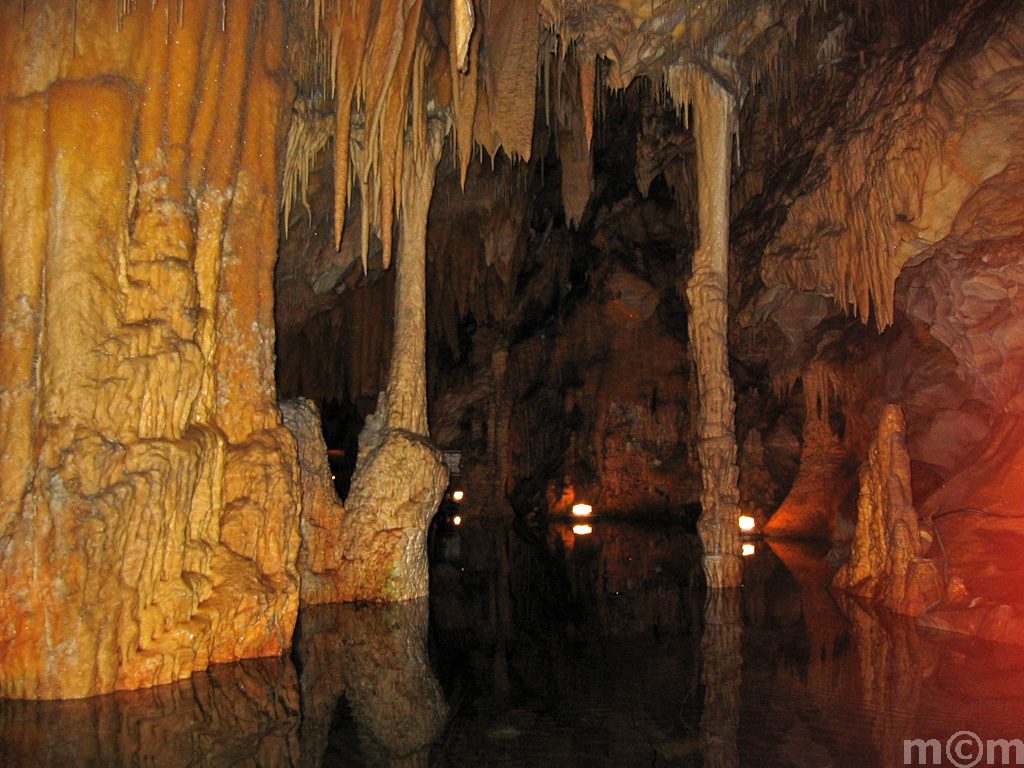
(400, 475)
(707, 292)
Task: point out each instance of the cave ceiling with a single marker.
(514, 81)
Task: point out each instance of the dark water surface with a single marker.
(554, 648)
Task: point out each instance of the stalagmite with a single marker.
(400, 475)
(707, 292)
(887, 562)
(322, 513)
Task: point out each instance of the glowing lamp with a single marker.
(747, 523)
(582, 530)
(457, 495)
(748, 549)
(457, 520)
(582, 510)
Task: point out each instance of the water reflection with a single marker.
(375, 656)
(721, 676)
(244, 714)
(550, 648)
(367, 662)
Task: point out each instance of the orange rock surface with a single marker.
(149, 507)
(887, 562)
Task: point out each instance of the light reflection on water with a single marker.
(548, 648)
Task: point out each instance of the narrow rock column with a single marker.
(400, 475)
(707, 293)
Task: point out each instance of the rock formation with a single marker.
(814, 504)
(149, 509)
(320, 554)
(707, 292)
(400, 475)
(887, 562)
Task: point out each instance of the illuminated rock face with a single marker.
(149, 508)
(826, 478)
(887, 561)
(320, 555)
(400, 475)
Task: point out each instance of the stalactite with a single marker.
(464, 93)
(463, 21)
(348, 47)
(510, 31)
(588, 77)
(308, 134)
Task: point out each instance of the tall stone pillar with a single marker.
(400, 475)
(707, 292)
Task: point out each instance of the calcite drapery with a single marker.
(149, 509)
(707, 293)
(400, 475)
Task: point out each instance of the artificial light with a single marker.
(582, 510)
(457, 495)
(457, 520)
(747, 523)
(748, 549)
(582, 530)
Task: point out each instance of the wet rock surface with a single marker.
(149, 514)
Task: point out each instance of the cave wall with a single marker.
(907, 216)
(149, 508)
(897, 201)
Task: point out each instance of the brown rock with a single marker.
(149, 507)
(887, 563)
(811, 509)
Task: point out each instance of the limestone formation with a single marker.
(320, 555)
(814, 504)
(915, 161)
(707, 292)
(149, 508)
(887, 562)
(400, 476)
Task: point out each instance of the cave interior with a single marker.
(301, 303)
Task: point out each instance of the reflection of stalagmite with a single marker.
(376, 657)
(709, 319)
(721, 676)
(400, 475)
(893, 664)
